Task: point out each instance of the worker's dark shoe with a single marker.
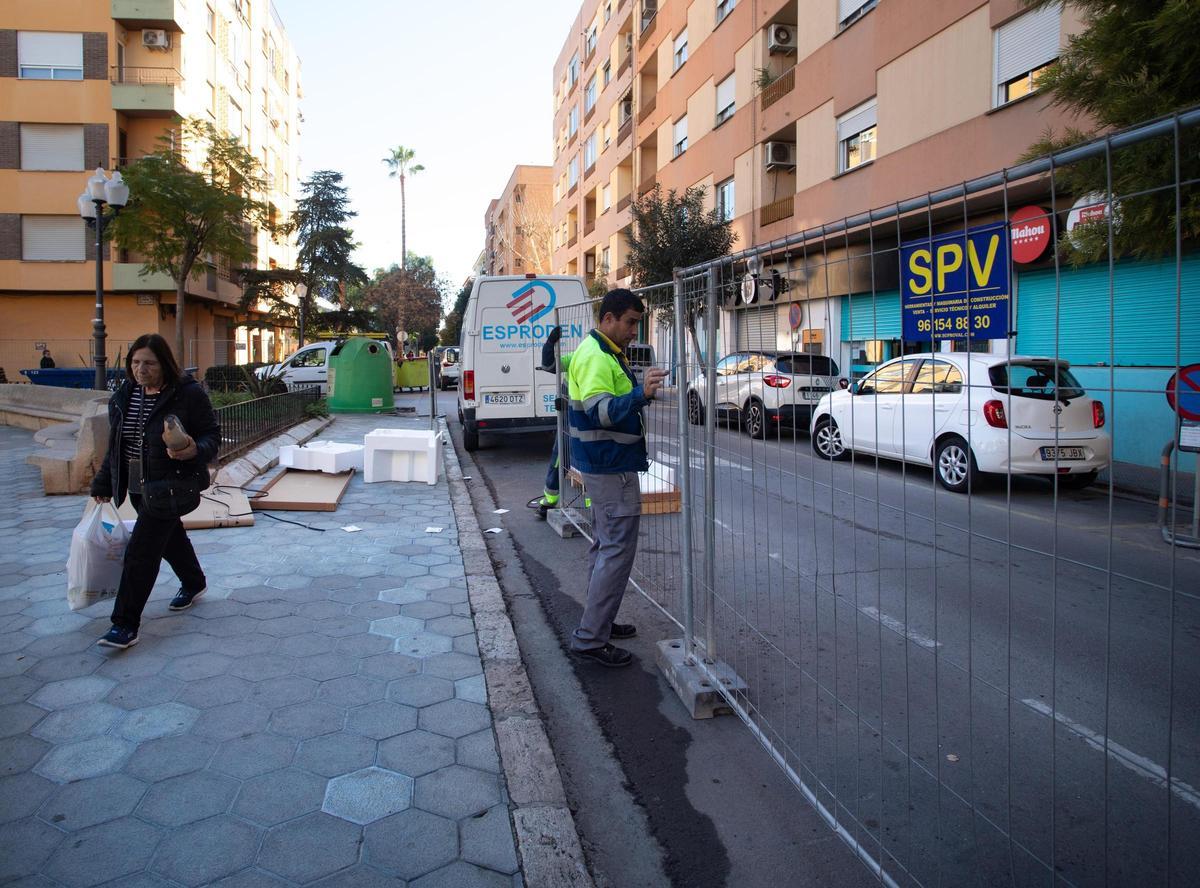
(622, 630)
(120, 637)
(606, 656)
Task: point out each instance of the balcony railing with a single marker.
(649, 19)
(140, 76)
(626, 130)
(589, 227)
(622, 272)
(780, 87)
(647, 108)
(777, 210)
(625, 65)
(573, 241)
(647, 186)
(624, 202)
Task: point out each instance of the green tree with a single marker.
(180, 214)
(451, 333)
(670, 232)
(408, 299)
(1133, 61)
(325, 265)
(400, 166)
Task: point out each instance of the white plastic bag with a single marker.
(97, 556)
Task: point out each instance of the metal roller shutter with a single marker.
(52, 237)
(757, 329)
(1027, 42)
(51, 146)
(864, 317)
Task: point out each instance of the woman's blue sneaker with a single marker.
(119, 637)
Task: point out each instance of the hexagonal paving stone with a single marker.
(254, 754)
(78, 722)
(332, 755)
(457, 792)
(488, 840)
(416, 753)
(478, 751)
(258, 667)
(374, 610)
(195, 666)
(321, 610)
(426, 610)
(462, 875)
(20, 796)
(68, 666)
(352, 690)
(420, 690)
(306, 644)
(281, 627)
(72, 692)
(154, 722)
(390, 665)
(244, 645)
(393, 627)
(252, 878)
(411, 844)
(138, 693)
(453, 666)
(368, 795)
(382, 720)
(452, 626)
(232, 625)
(231, 720)
(216, 691)
(170, 757)
(288, 581)
(326, 666)
(279, 796)
(307, 720)
(20, 753)
(126, 668)
(283, 691)
(187, 798)
(424, 644)
(87, 758)
(403, 595)
(103, 853)
(89, 802)
(207, 851)
(24, 847)
(310, 848)
(473, 689)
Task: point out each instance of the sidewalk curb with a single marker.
(547, 840)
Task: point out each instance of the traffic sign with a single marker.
(1188, 406)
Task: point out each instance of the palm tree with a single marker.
(400, 166)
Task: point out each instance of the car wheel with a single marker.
(470, 437)
(695, 409)
(1077, 482)
(827, 440)
(955, 465)
(754, 419)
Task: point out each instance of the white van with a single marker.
(308, 366)
(506, 321)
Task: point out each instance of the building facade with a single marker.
(791, 114)
(86, 85)
(518, 224)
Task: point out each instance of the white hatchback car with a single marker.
(969, 413)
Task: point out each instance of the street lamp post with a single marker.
(114, 192)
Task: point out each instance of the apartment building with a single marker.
(86, 84)
(789, 113)
(519, 224)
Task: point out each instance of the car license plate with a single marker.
(504, 399)
(1062, 453)
(813, 394)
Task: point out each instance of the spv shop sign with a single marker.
(956, 286)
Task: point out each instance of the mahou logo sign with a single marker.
(1031, 230)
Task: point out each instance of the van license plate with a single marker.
(1062, 453)
(504, 399)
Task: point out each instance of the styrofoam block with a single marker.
(402, 455)
(322, 456)
(657, 479)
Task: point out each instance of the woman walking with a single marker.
(162, 435)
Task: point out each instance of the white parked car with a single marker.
(968, 413)
(764, 390)
(448, 369)
(308, 366)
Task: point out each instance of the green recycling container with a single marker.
(360, 377)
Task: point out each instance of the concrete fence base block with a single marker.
(561, 524)
(550, 848)
(693, 686)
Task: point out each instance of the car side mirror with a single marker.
(843, 383)
(860, 388)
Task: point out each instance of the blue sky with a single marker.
(466, 84)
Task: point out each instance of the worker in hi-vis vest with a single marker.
(550, 491)
(608, 448)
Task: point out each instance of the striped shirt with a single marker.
(141, 405)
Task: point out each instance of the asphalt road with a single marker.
(1000, 689)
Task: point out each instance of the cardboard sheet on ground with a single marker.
(293, 490)
(220, 507)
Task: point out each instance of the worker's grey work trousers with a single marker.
(616, 514)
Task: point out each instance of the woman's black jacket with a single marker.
(188, 401)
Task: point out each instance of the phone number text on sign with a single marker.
(956, 286)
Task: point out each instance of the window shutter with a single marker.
(725, 92)
(680, 129)
(52, 237)
(861, 118)
(1027, 42)
(847, 8)
(51, 49)
(756, 329)
(51, 146)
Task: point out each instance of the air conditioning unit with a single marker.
(156, 39)
(780, 156)
(781, 40)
